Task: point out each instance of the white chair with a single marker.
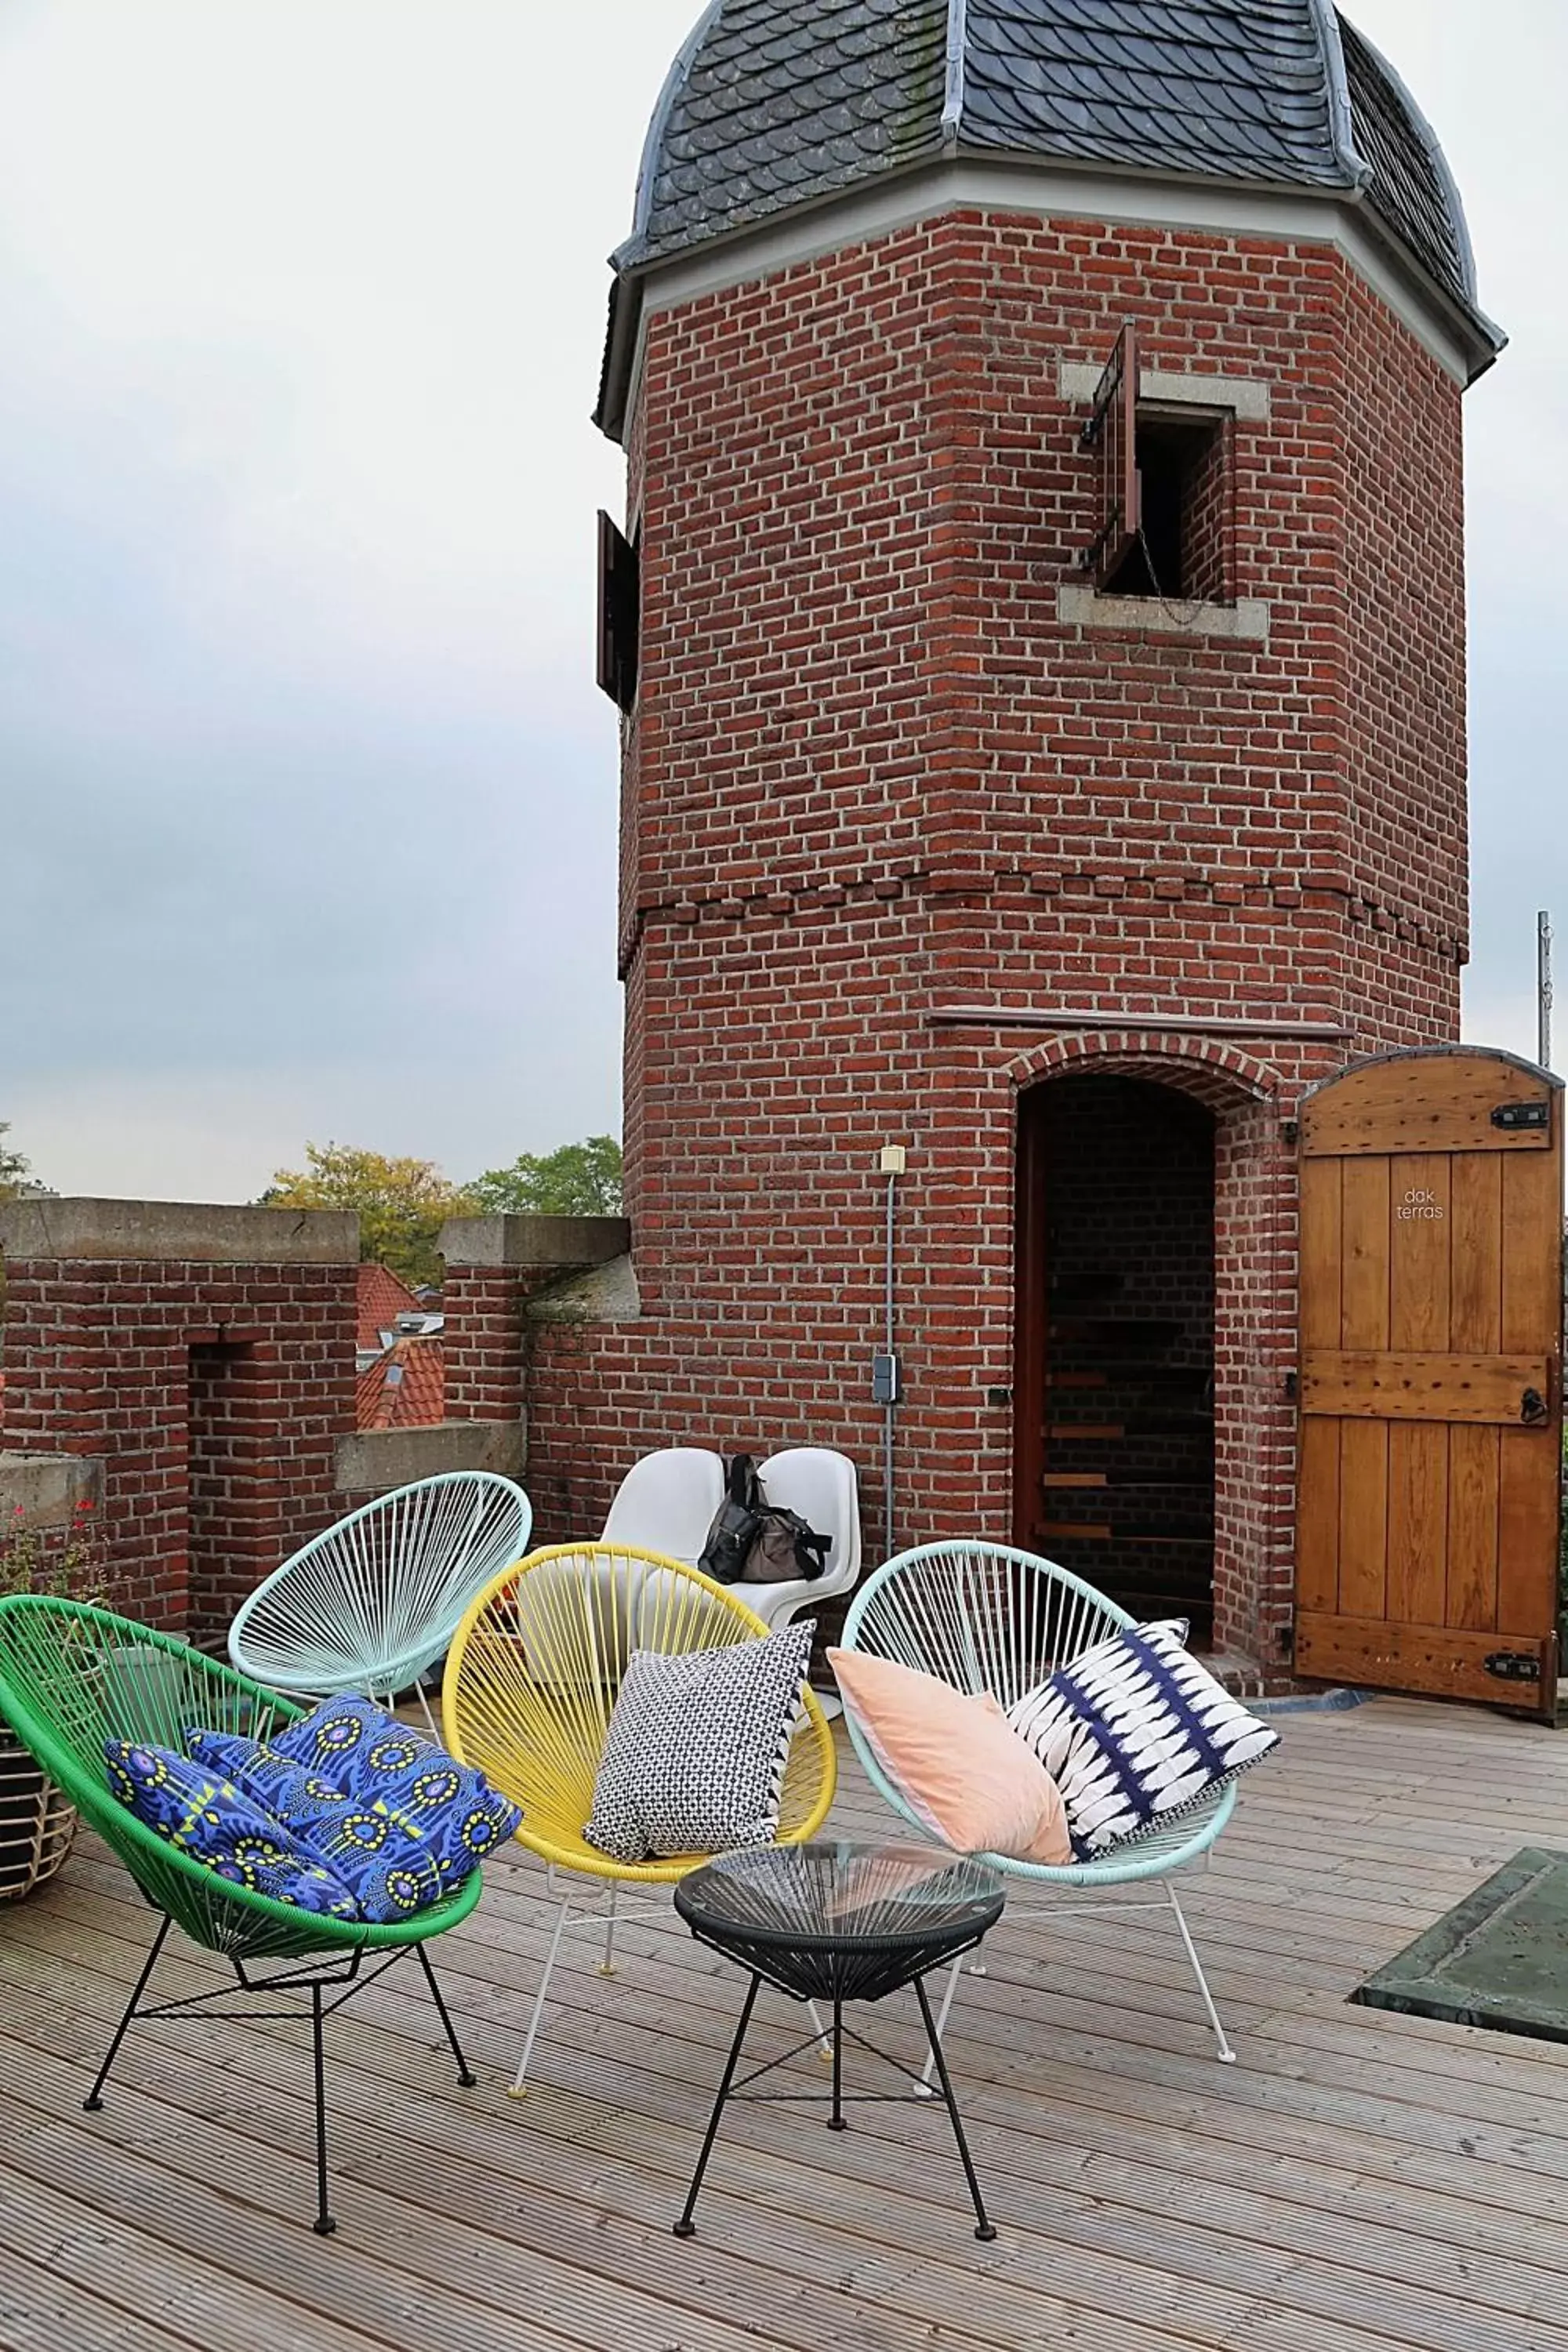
(820, 1484)
(666, 1502)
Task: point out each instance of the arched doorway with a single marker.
(1114, 1384)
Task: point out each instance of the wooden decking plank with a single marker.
(46, 2305)
(971, 2061)
(387, 2268)
(52, 2202)
(1533, 2291)
(1358, 2182)
(982, 2044)
(1016, 2293)
(493, 2212)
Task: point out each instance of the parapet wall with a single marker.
(203, 1357)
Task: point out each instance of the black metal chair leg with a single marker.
(836, 2120)
(686, 2226)
(465, 2072)
(94, 2098)
(323, 2224)
(986, 2228)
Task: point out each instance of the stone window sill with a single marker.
(1244, 623)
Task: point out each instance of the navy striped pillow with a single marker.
(1134, 1733)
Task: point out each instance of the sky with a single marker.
(307, 794)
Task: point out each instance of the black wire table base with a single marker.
(732, 2093)
(342, 1982)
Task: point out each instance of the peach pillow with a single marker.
(956, 1760)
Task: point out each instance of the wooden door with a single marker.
(1430, 1377)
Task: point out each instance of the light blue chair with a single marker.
(984, 1618)
(370, 1605)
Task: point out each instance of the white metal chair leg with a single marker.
(607, 1965)
(424, 1706)
(1226, 2054)
(953, 1974)
(517, 2081)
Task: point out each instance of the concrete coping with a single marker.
(1244, 623)
(1246, 397)
(47, 1488)
(533, 1243)
(374, 1461)
(188, 1231)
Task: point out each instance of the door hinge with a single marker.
(1513, 1666)
(1523, 1114)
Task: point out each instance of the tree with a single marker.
(579, 1180)
(14, 1168)
(402, 1204)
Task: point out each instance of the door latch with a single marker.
(1513, 1666)
(1523, 1114)
(1533, 1410)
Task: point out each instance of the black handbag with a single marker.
(736, 1524)
(785, 1546)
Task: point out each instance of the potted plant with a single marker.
(37, 1823)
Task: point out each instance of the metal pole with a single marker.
(1544, 989)
(890, 1409)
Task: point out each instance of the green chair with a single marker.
(71, 1677)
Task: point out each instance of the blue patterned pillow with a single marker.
(375, 1849)
(208, 1818)
(1134, 1733)
(369, 1754)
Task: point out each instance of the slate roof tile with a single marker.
(781, 102)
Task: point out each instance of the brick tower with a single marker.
(1040, 632)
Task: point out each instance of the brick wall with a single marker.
(214, 1394)
(876, 781)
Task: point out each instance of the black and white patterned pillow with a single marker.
(1135, 1732)
(695, 1753)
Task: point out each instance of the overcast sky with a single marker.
(307, 797)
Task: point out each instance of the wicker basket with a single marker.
(37, 1823)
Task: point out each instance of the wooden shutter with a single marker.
(620, 599)
(1430, 1377)
(1112, 430)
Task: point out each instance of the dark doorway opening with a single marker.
(1113, 1447)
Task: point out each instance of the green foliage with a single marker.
(579, 1180)
(15, 1169)
(402, 1204)
(68, 1565)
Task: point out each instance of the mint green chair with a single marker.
(372, 1603)
(73, 1677)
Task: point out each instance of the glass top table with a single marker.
(835, 1922)
(814, 1915)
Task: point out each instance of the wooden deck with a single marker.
(1357, 2181)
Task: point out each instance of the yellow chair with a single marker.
(532, 1678)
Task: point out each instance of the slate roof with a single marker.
(1218, 87)
(773, 104)
(1411, 185)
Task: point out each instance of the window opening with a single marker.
(1165, 522)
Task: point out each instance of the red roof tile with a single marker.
(404, 1389)
(381, 1299)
